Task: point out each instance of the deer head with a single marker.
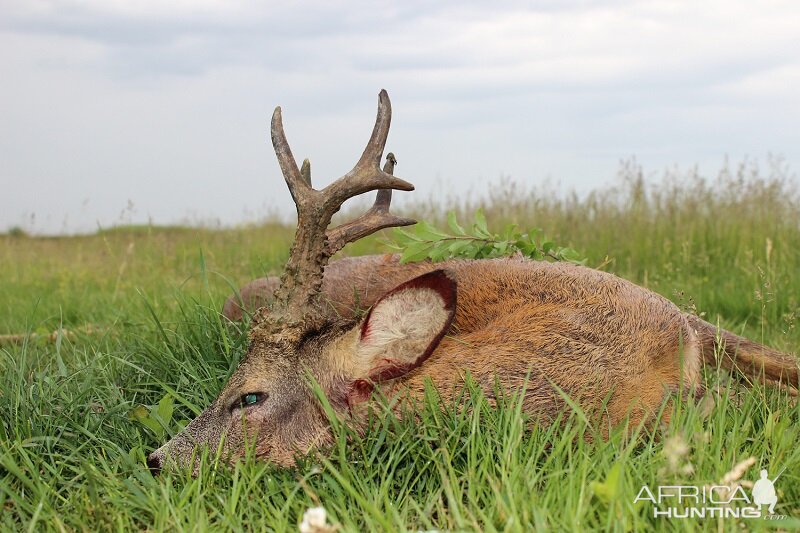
(268, 399)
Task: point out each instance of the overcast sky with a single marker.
(122, 110)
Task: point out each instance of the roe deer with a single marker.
(618, 349)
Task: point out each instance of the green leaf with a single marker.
(392, 245)
(142, 415)
(458, 248)
(415, 251)
(568, 254)
(608, 490)
(453, 224)
(425, 231)
(154, 426)
(439, 253)
(510, 233)
(486, 250)
(138, 412)
(164, 409)
(481, 228)
(407, 235)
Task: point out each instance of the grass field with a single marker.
(148, 342)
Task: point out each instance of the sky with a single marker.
(121, 111)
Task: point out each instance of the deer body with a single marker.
(592, 334)
(556, 329)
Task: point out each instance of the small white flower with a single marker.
(315, 520)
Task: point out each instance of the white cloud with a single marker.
(167, 103)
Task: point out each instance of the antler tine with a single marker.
(371, 157)
(367, 175)
(297, 296)
(376, 218)
(298, 185)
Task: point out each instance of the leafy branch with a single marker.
(158, 419)
(425, 241)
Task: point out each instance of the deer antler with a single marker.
(378, 217)
(313, 243)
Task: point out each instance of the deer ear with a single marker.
(404, 327)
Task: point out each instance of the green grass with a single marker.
(72, 451)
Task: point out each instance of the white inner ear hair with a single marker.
(402, 326)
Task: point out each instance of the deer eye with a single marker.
(250, 399)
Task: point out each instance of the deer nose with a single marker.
(154, 463)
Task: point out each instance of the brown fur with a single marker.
(618, 349)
